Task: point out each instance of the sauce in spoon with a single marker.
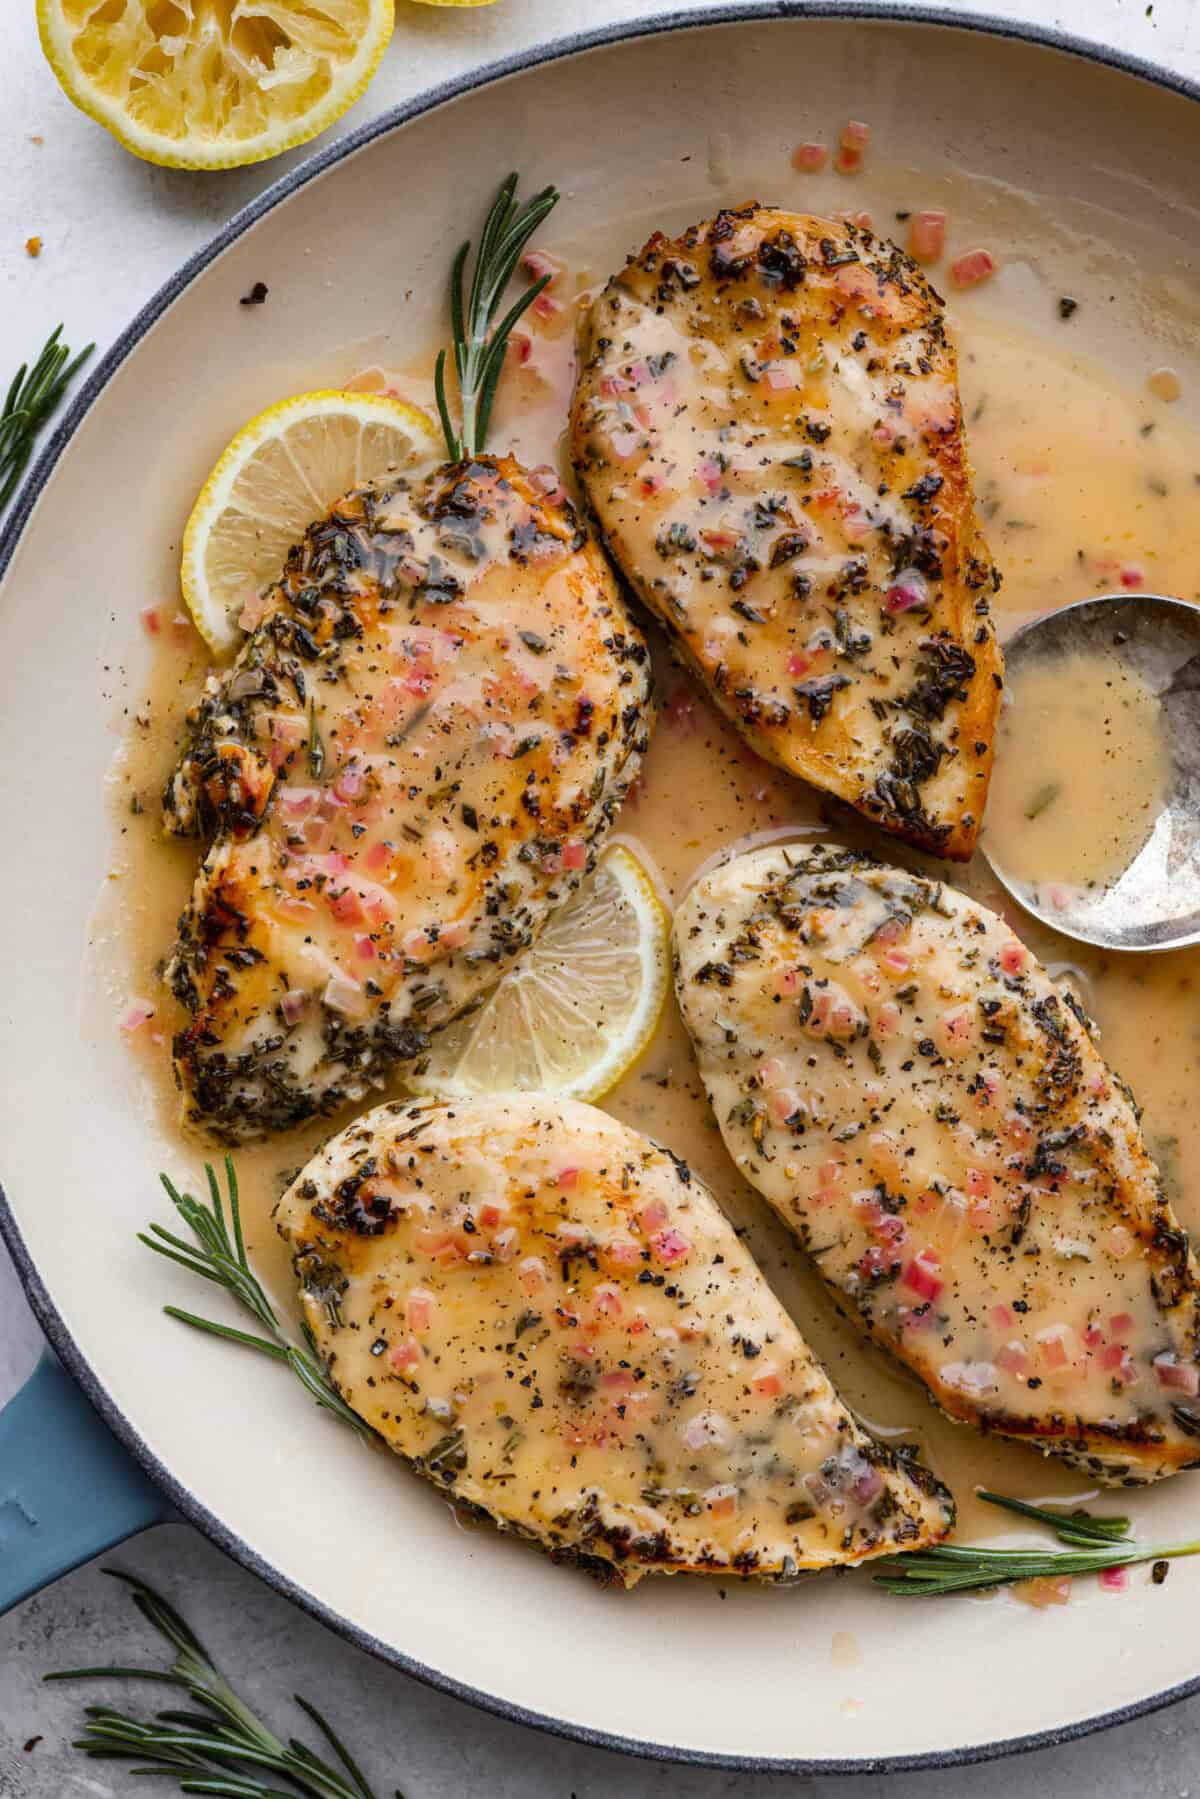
(1083, 769)
(1093, 823)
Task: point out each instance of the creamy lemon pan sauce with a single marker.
(1083, 769)
(1073, 490)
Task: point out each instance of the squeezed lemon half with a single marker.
(216, 85)
(283, 470)
(579, 1008)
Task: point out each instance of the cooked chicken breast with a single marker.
(895, 1072)
(408, 767)
(549, 1317)
(768, 430)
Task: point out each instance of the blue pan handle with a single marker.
(68, 1490)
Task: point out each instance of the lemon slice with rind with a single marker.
(216, 85)
(283, 470)
(579, 1008)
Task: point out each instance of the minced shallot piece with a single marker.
(927, 235)
(293, 1005)
(537, 263)
(135, 1014)
(848, 158)
(974, 267)
(1184, 1377)
(809, 157)
(909, 589)
(342, 994)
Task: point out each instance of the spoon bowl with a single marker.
(1153, 903)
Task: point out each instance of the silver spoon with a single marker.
(1154, 903)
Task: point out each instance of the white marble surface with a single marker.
(112, 230)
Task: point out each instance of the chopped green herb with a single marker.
(316, 749)
(1045, 797)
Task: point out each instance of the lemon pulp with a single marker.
(580, 1007)
(218, 85)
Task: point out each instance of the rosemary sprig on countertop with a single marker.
(32, 398)
(479, 346)
(217, 1256)
(222, 1748)
(1093, 1544)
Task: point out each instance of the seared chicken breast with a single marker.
(768, 430)
(931, 1116)
(549, 1317)
(409, 765)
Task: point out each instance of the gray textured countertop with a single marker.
(113, 229)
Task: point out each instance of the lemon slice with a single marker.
(215, 85)
(579, 1008)
(283, 470)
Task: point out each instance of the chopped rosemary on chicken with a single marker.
(222, 1748)
(1093, 1545)
(479, 348)
(220, 1257)
(32, 398)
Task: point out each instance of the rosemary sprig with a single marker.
(221, 1257)
(1079, 1528)
(33, 396)
(222, 1748)
(1093, 1544)
(479, 345)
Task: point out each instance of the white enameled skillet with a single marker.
(645, 125)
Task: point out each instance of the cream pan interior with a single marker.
(655, 130)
